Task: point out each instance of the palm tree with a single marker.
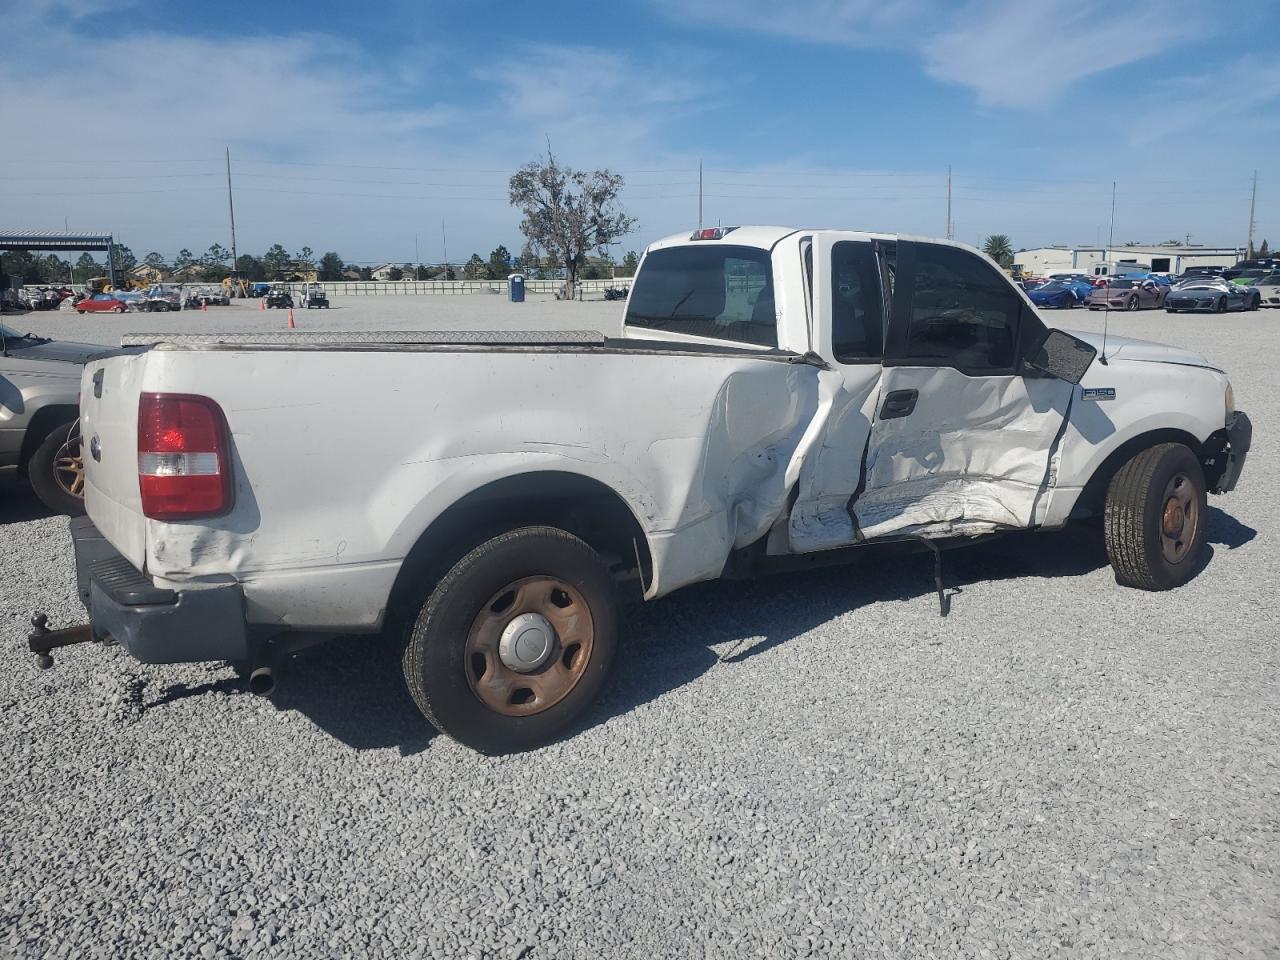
(999, 248)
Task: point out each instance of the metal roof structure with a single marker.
(56, 241)
(50, 242)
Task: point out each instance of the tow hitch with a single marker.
(42, 640)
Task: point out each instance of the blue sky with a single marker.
(354, 129)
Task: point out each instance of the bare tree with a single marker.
(568, 213)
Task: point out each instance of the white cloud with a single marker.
(1010, 54)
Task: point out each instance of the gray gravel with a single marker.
(1062, 768)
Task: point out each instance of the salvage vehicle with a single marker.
(1056, 293)
(1268, 288)
(779, 398)
(39, 437)
(101, 303)
(1127, 294)
(316, 297)
(279, 297)
(1213, 296)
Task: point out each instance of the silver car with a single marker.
(39, 407)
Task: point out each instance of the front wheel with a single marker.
(1255, 303)
(1131, 304)
(56, 470)
(515, 641)
(1154, 518)
(1220, 306)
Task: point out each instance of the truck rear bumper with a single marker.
(154, 624)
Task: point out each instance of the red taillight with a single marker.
(711, 233)
(184, 464)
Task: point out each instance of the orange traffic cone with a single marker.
(262, 304)
(291, 326)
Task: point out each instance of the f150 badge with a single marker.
(1097, 393)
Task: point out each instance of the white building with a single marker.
(1158, 259)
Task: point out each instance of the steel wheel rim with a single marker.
(514, 693)
(68, 468)
(1179, 518)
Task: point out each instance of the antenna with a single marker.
(950, 225)
(699, 194)
(1111, 239)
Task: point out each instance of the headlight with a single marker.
(1231, 400)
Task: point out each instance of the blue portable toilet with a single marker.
(515, 284)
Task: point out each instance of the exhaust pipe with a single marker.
(262, 682)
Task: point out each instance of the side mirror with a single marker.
(1063, 356)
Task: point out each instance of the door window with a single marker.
(962, 313)
(857, 316)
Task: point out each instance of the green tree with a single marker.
(331, 265)
(422, 273)
(306, 256)
(395, 273)
(216, 254)
(87, 267)
(1264, 250)
(276, 261)
(154, 259)
(183, 259)
(250, 268)
(125, 260)
(999, 248)
(366, 273)
(474, 269)
(499, 263)
(629, 264)
(568, 213)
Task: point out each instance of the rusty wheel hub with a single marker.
(1180, 518)
(529, 646)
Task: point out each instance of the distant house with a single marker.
(299, 271)
(383, 271)
(145, 273)
(191, 273)
(350, 274)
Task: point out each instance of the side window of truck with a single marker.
(857, 315)
(719, 291)
(963, 313)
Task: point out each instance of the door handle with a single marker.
(899, 403)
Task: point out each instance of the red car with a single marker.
(100, 303)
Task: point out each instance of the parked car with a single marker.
(101, 303)
(279, 297)
(39, 436)
(1055, 293)
(161, 299)
(1216, 296)
(1268, 288)
(1126, 294)
(1249, 278)
(772, 401)
(316, 297)
(1268, 263)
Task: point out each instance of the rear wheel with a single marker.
(56, 470)
(1154, 518)
(1220, 306)
(515, 641)
(1255, 303)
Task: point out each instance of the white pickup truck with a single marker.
(777, 395)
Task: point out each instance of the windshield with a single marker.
(1051, 286)
(719, 291)
(1121, 284)
(7, 333)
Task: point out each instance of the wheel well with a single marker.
(578, 505)
(1094, 496)
(41, 425)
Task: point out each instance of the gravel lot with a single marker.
(1061, 768)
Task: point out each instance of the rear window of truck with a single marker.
(718, 291)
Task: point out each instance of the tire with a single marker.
(1220, 306)
(59, 495)
(446, 674)
(1255, 303)
(1151, 544)
(119, 309)
(1170, 310)
(81, 312)
(1131, 303)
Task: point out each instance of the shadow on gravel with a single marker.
(669, 643)
(18, 503)
(1223, 529)
(352, 688)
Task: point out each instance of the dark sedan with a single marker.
(1213, 297)
(1128, 295)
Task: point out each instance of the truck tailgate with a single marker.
(109, 394)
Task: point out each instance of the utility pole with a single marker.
(1253, 200)
(417, 261)
(231, 206)
(950, 225)
(699, 194)
(444, 237)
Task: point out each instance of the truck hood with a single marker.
(65, 351)
(1125, 348)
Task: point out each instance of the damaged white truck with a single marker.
(776, 394)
